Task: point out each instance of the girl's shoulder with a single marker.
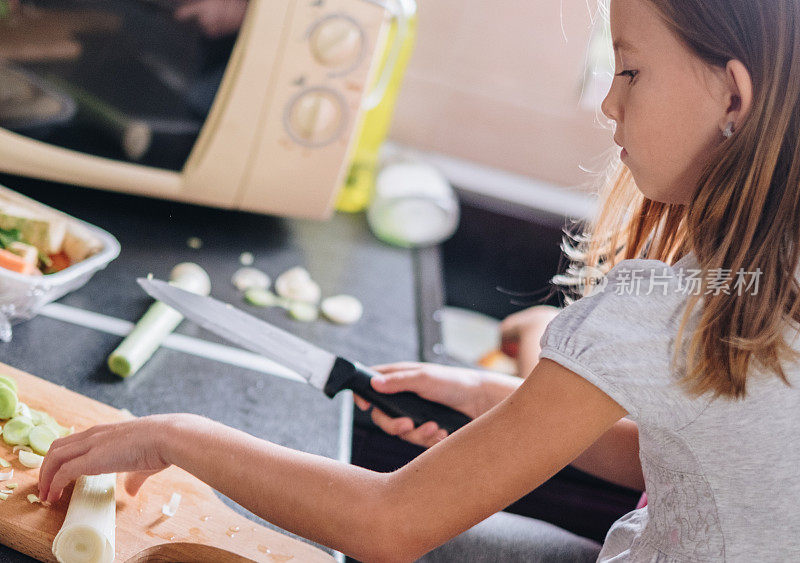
(621, 337)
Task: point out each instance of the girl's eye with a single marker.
(631, 74)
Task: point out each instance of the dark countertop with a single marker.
(341, 255)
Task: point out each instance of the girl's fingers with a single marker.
(53, 461)
(393, 426)
(135, 480)
(361, 403)
(426, 435)
(65, 474)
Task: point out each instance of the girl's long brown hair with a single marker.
(745, 213)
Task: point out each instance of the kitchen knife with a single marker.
(321, 369)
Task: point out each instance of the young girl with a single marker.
(706, 101)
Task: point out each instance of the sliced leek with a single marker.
(10, 382)
(8, 401)
(87, 535)
(41, 437)
(17, 429)
(171, 507)
(30, 459)
(157, 323)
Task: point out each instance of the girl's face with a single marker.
(666, 103)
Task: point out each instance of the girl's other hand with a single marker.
(131, 446)
(521, 332)
(458, 388)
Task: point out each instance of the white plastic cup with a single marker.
(414, 206)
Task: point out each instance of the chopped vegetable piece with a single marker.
(342, 309)
(27, 252)
(41, 437)
(33, 498)
(171, 507)
(30, 459)
(3, 496)
(47, 420)
(17, 429)
(22, 447)
(59, 261)
(305, 312)
(194, 243)
(157, 323)
(6, 474)
(8, 237)
(24, 410)
(245, 278)
(4, 463)
(8, 401)
(11, 261)
(296, 284)
(88, 530)
(260, 297)
(44, 232)
(246, 259)
(11, 486)
(9, 381)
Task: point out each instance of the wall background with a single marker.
(499, 83)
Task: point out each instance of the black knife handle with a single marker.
(354, 376)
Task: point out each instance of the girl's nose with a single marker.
(610, 106)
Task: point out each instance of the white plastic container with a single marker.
(22, 296)
(414, 205)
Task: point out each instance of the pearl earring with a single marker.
(728, 133)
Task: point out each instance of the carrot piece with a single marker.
(59, 261)
(11, 261)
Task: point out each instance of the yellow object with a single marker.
(359, 183)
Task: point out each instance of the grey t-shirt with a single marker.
(721, 475)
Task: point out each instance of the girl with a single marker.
(706, 101)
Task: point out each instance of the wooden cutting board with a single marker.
(203, 529)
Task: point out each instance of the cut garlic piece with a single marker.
(342, 309)
(296, 284)
(247, 278)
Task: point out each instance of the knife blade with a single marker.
(320, 368)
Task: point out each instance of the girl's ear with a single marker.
(738, 95)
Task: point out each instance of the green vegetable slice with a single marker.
(8, 401)
(41, 437)
(10, 382)
(16, 430)
(260, 297)
(47, 420)
(305, 312)
(4, 463)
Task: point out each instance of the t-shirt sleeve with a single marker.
(620, 338)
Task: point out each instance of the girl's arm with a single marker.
(482, 468)
(615, 456)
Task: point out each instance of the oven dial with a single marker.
(336, 41)
(315, 117)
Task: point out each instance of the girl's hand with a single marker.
(520, 334)
(457, 388)
(132, 446)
